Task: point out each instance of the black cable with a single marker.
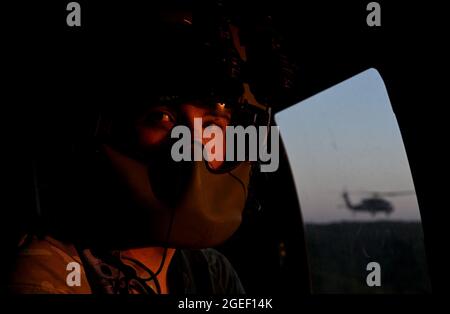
(169, 231)
(240, 181)
(140, 264)
(153, 275)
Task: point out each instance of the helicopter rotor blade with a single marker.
(380, 193)
(397, 193)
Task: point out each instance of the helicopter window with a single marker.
(362, 222)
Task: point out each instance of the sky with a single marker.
(347, 137)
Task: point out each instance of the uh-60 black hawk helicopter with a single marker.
(375, 203)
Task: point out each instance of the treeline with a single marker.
(340, 252)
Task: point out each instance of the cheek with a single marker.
(151, 136)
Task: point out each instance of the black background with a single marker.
(44, 61)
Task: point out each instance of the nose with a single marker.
(191, 113)
(216, 154)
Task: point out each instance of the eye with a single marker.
(154, 126)
(220, 106)
(164, 117)
(222, 109)
(158, 117)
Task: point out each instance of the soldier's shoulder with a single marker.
(42, 266)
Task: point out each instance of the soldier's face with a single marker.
(155, 124)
